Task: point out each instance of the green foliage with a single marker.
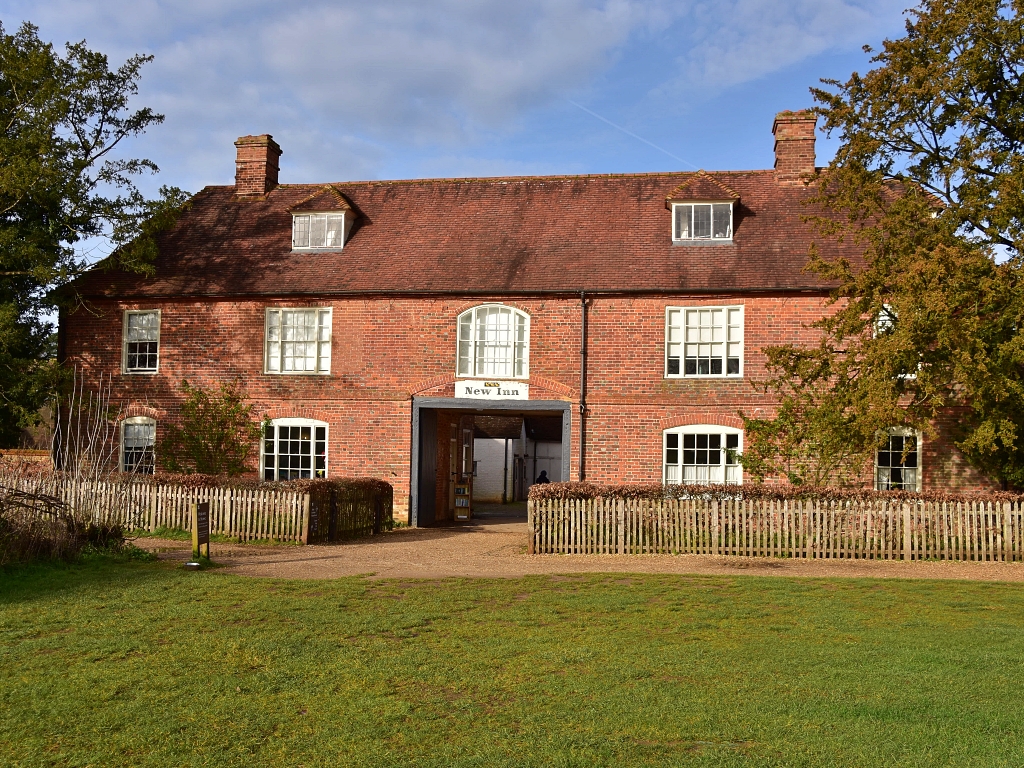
(217, 435)
(927, 181)
(62, 118)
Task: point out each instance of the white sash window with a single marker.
(138, 445)
(294, 449)
(898, 462)
(702, 454)
(298, 341)
(494, 340)
(703, 341)
(141, 353)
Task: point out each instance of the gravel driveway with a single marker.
(494, 546)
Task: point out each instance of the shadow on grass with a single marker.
(92, 571)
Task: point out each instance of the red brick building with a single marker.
(620, 318)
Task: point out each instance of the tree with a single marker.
(217, 434)
(61, 119)
(929, 180)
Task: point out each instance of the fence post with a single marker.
(305, 518)
(907, 553)
(620, 525)
(531, 546)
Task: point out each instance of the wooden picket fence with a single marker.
(812, 529)
(244, 514)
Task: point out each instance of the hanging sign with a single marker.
(493, 390)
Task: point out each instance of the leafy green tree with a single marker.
(217, 435)
(62, 118)
(929, 181)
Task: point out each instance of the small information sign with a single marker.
(200, 528)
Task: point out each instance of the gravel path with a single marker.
(496, 548)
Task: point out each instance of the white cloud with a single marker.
(737, 41)
(342, 84)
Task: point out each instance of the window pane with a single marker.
(317, 230)
(300, 231)
(300, 329)
(334, 231)
(142, 336)
(896, 463)
(705, 352)
(682, 223)
(701, 221)
(465, 351)
(138, 444)
(722, 215)
(300, 451)
(493, 341)
(703, 459)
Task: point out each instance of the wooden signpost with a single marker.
(200, 529)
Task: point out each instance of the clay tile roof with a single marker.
(325, 199)
(493, 237)
(701, 186)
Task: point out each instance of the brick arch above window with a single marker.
(140, 409)
(474, 304)
(291, 412)
(701, 417)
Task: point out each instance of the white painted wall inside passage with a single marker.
(489, 455)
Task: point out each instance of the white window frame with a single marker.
(328, 216)
(324, 322)
(701, 429)
(688, 237)
(470, 371)
(682, 341)
(124, 342)
(313, 424)
(136, 420)
(901, 432)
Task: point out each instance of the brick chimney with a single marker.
(794, 146)
(256, 165)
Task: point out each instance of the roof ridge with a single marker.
(552, 177)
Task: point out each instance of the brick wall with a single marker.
(386, 351)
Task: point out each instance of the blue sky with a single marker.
(406, 88)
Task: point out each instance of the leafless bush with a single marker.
(52, 512)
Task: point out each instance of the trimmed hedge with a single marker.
(754, 491)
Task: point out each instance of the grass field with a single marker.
(138, 664)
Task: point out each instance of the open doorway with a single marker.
(485, 457)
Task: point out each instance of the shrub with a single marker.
(217, 434)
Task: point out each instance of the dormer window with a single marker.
(313, 231)
(701, 221)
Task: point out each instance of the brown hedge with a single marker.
(754, 491)
(249, 481)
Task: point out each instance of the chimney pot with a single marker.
(794, 146)
(256, 165)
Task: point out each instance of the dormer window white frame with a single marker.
(320, 231)
(702, 222)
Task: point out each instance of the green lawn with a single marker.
(138, 664)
